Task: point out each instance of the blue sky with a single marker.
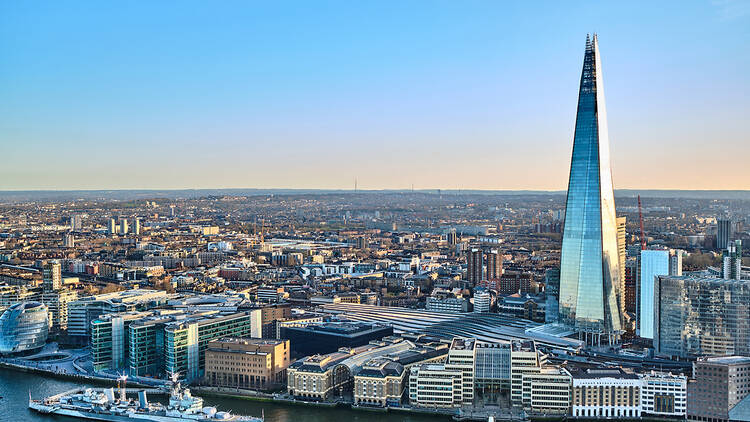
(438, 94)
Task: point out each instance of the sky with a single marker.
(313, 94)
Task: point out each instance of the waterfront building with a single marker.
(492, 368)
(663, 394)
(653, 263)
(23, 328)
(697, 316)
(435, 386)
(461, 357)
(547, 391)
(719, 390)
(524, 360)
(380, 382)
(330, 336)
(186, 340)
(322, 377)
(109, 339)
(589, 263)
(256, 364)
(86, 309)
(604, 393)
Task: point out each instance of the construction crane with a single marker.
(640, 217)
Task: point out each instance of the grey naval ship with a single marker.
(105, 406)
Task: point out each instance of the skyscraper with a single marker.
(653, 263)
(589, 265)
(724, 233)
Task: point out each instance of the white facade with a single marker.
(461, 357)
(482, 302)
(664, 394)
(434, 385)
(606, 396)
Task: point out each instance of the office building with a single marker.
(57, 302)
(435, 386)
(109, 340)
(524, 360)
(461, 357)
(724, 233)
(731, 261)
(23, 328)
(330, 336)
(447, 304)
(663, 394)
(492, 368)
(86, 309)
(51, 276)
(697, 316)
(653, 263)
(255, 364)
(589, 263)
(474, 265)
(604, 393)
(552, 293)
(482, 300)
(547, 391)
(719, 389)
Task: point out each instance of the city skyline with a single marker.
(438, 97)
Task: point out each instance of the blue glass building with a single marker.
(653, 263)
(589, 265)
(23, 328)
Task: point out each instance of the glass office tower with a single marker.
(653, 263)
(589, 267)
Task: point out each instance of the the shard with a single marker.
(589, 265)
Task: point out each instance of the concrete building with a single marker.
(663, 394)
(494, 265)
(57, 302)
(51, 276)
(461, 357)
(719, 389)
(474, 265)
(124, 226)
(547, 391)
(524, 360)
(435, 386)
(482, 300)
(330, 336)
(608, 393)
(255, 364)
(447, 304)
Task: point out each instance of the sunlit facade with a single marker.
(589, 267)
(23, 328)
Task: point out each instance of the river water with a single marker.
(15, 388)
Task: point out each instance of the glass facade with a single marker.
(23, 328)
(653, 263)
(701, 316)
(589, 267)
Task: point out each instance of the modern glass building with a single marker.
(697, 316)
(23, 328)
(653, 263)
(589, 267)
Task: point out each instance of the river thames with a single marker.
(15, 388)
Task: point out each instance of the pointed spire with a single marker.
(589, 43)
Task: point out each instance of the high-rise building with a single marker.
(724, 233)
(75, 222)
(589, 267)
(622, 254)
(494, 264)
(51, 276)
(137, 226)
(731, 262)
(675, 262)
(112, 227)
(69, 241)
(631, 283)
(652, 263)
(451, 237)
(474, 265)
(552, 290)
(124, 226)
(698, 316)
(482, 300)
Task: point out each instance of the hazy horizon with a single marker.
(475, 95)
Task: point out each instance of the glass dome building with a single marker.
(23, 328)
